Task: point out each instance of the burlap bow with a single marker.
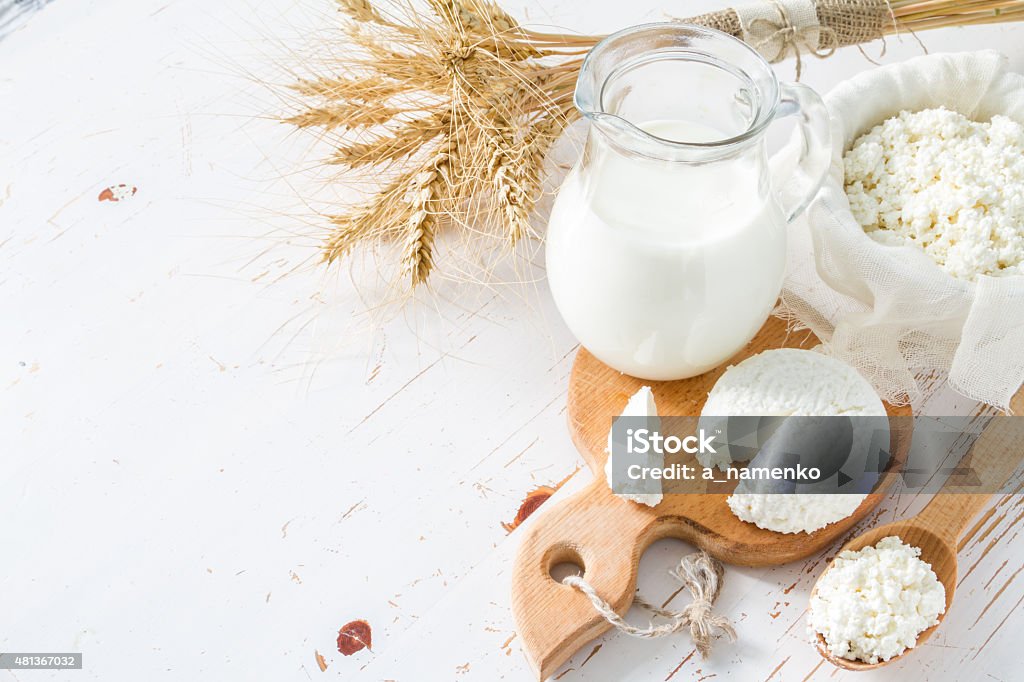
(778, 28)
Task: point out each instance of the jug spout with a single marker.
(622, 133)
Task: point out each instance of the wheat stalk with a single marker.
(431, 190)
(450, 109)
(392, 145)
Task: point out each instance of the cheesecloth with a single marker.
(890, 311)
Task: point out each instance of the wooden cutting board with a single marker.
(606, 535)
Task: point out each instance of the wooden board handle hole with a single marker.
(563, 560)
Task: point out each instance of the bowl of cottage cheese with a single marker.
(912, 256)
(939, 183)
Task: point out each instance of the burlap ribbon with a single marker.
(780, 28)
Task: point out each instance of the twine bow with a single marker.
(702, 576)
(813, 39)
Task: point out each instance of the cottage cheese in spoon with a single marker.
(871, 605)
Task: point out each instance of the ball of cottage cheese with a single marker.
(791, 381)
(938, 181)
(872, 604)
(786, 382)
(793, 513)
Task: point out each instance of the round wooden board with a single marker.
(598, 393)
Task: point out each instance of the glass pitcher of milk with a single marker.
(666, 246)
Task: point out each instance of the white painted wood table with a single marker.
(210, 460)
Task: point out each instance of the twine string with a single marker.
(702, 576)
(778, 28)
(817, 40)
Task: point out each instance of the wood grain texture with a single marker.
(937, 529)
(606, 535)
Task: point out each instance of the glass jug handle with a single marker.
(808, 171)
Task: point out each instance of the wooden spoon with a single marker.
(937, 529)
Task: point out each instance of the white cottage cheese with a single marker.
(641, 404)
(948, 185)
(871, 605)
(785, 382)
(799, 513)
(790, 381)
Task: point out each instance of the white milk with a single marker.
(664, 270)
